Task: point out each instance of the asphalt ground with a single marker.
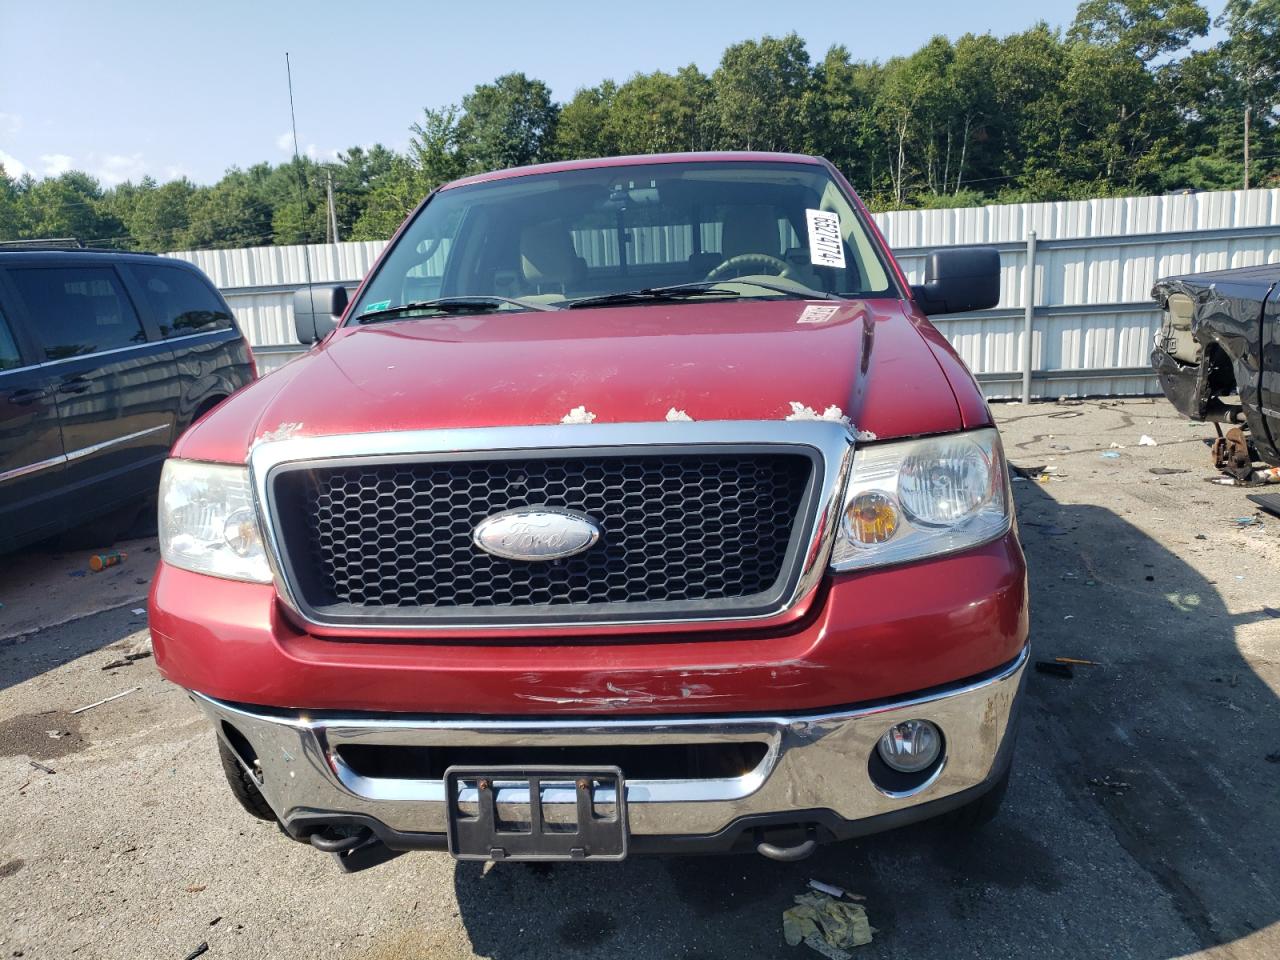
(1142, 820)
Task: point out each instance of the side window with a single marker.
(181, 302)
(76, 311)
(9, 355)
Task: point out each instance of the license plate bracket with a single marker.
(596, 797)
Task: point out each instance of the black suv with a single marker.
(105, 358)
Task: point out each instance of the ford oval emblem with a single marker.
(536, 533)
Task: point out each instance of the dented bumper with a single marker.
(812, 768)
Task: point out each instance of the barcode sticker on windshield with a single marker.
(826, 246)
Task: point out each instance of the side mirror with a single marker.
(959, 279)
(316, 311)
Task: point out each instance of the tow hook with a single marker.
(355, 851)
(789, 854)
(328, 840)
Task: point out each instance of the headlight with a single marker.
(208, 523)
(921, 498)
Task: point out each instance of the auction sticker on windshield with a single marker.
(826, 247)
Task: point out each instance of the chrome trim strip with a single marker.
(815, 759)
(833, 441)
(33, 468)
(76, 454)
(133, 346)
(90, 450)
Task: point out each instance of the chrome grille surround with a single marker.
(830, 444)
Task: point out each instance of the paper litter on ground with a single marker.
(827, 925)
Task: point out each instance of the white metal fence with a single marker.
(1088, 330)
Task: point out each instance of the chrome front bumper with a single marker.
(812, 762)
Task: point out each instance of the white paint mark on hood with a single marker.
(578, 415)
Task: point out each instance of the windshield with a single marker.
(550, 239)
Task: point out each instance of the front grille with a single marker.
(687, 534)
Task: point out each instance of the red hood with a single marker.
(715, 361)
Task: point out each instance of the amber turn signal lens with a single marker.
(872, 518)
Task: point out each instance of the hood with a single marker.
(728, 360)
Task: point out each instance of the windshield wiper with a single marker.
(684, 291)
(482, 303)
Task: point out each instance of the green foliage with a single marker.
(1117, 105)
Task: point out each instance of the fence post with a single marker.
(1028, 314)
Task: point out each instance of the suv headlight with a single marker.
(208, 523)
(921, 498)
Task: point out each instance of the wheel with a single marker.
(242, 785)
(978, 813)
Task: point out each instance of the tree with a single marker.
(1145, 29)
(758, 92)
(69, 205)
(508, 123)
(9, 226)
(580, 129)
(1251, 55)
(660, 113)
(231, 213)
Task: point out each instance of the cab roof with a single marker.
(561, 166)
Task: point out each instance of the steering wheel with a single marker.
(734, 265)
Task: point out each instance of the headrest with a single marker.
(547, 253)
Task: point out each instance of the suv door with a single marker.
(112, 383)
(31, 460)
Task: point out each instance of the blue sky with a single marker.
(174, 88)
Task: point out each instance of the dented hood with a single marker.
(715, 361)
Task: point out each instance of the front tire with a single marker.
(242, 785)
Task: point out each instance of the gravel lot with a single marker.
(134, 848)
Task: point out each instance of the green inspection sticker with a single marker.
(380, 305)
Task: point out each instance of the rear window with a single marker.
(76, 311)
(181, 302)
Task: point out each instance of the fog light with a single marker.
(910, 746)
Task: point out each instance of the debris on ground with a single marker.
(197, 888)
(1167, 471)
(826, 925)
(833, 891)
(98, 703)
(138, 611)
(100, 561)
(1117, 787)
(1146, 441)
(1252, 521)
(42, 768)
(1083, 663)
(1116, 446)
(202, 949)
(1109, 455)
(1055, 669)
(117, 663)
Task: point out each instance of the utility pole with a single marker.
(332, 225)
(1247, 116)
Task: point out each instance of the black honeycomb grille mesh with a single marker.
(675, 527)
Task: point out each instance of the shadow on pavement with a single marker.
(1141, 821)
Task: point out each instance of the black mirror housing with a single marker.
(316, 311)
(959, 279)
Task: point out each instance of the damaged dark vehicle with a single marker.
(1217, 355)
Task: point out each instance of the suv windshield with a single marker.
(547, 240)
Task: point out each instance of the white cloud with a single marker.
(115, 168)
(55, 164)
(10, 124)
(13, 167)
(284, 142)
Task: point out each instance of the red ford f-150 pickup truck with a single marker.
(632, 505)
